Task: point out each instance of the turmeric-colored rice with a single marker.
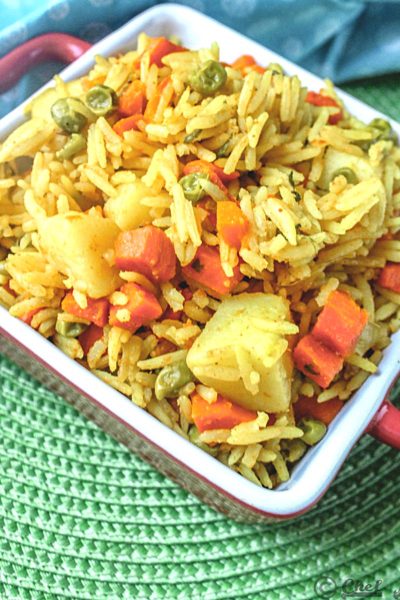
(311, 231)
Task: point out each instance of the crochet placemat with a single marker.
(82, 517)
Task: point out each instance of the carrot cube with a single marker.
(340, 323)
(322, 100)
(323, 411)
(134, 122)
(96, 310)
(132, 100)
(389, 277)
(316, 361)
(148, 251)
(160, 47)
(206, 269)
(232, 225)
(221, 414)
(91, 335)
(141, 306)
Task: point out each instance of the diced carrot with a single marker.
(148, 251)
(245, 64)
(206, 269)
(135, 122)
(91, 335)
(316, 360)
(221, 414)
(96, 311)
(132, 100)
(321, 100)
(224, 177)
(160, 99)
(160, 47)
(257, 69)
(232, 225)
(389, 277)
(140, 308)
(323, 411)
(340, 323)
(202, 166)
(27, 317)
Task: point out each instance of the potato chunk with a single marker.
(127, 208)
(75, 243)
(243, 352)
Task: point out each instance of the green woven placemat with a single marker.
(81, 517)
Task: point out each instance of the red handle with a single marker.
(50, 46)
(385, 426)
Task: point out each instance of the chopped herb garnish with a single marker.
(291, 179)
(311, 369)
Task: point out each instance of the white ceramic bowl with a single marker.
(184, 462)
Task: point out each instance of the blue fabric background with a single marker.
(339, 39)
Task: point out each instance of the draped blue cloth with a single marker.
(339, 39)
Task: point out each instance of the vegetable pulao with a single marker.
(213, 240)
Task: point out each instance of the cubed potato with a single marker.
(76, 243)
(127, 208)
(243, 352)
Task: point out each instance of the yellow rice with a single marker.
(309, 235)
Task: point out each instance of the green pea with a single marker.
(314, 430)
(194, 435)
(209, 78)
(192, 136)
(348, 173)
(192, 186)
(293, 450)
(171, 378)
(385, 128)
(224, 150)
(67, 117)
(381, 124)
(75, 143)
(101, 99)
(68, 329)
(381, 131)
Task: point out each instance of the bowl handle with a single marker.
(385, 426)
(50, 46)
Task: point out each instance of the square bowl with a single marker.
(176, 457)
